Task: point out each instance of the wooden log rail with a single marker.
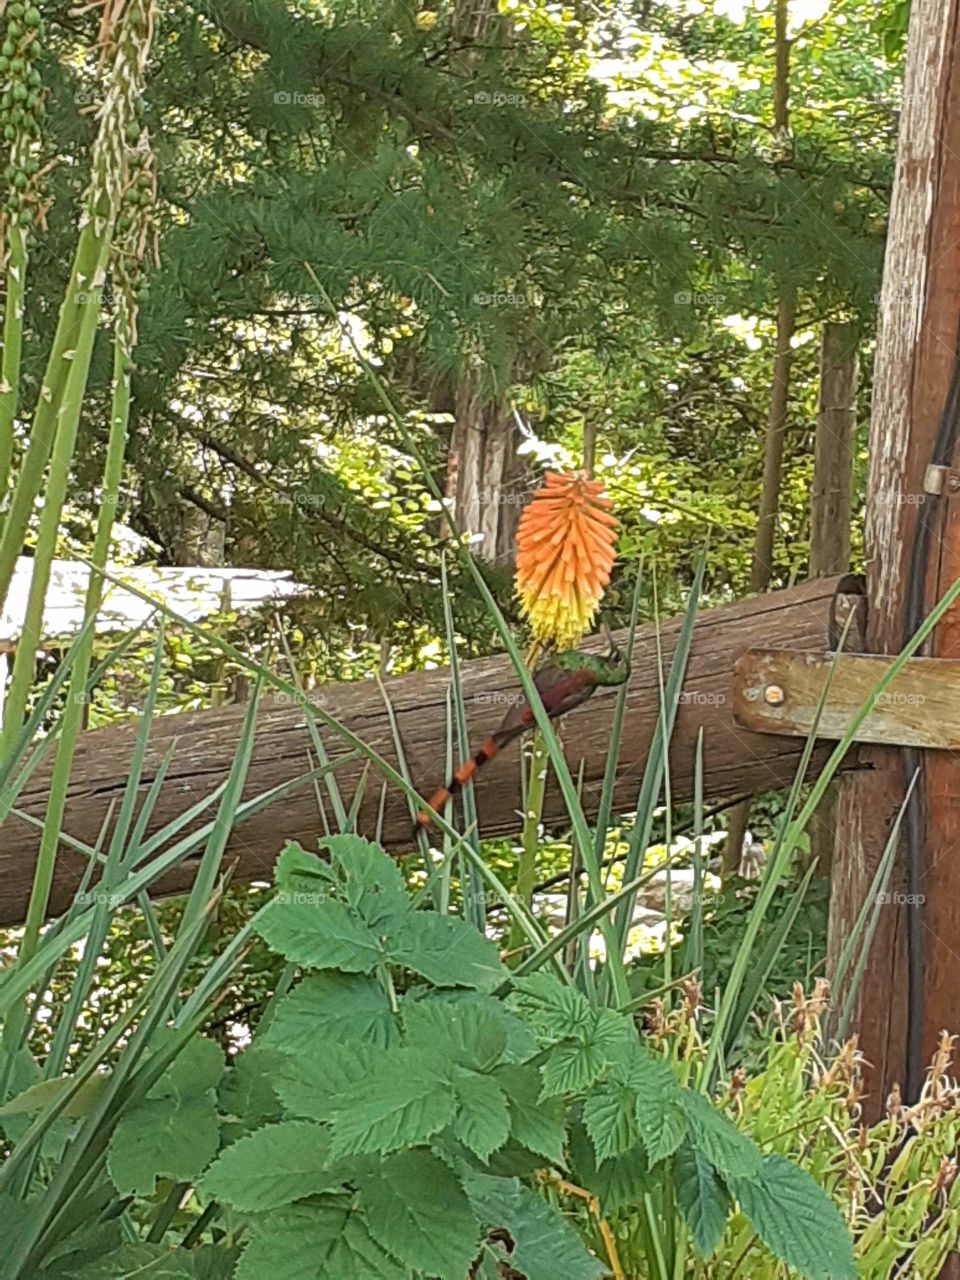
(737, 761)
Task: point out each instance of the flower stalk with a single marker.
(122, 191)
(57, 416)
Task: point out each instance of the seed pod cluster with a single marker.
(133, 225)
(21, 106)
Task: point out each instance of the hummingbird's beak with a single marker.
(612, 650)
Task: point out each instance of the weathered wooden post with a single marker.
(916, 356)
(831, 508)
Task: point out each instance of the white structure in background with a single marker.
(194, 593)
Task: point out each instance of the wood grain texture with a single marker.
(916, 345)
(919, 708)
(737, 761)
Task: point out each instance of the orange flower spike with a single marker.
(565, 554)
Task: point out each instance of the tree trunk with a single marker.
(486, 478)
(916, 347)
(736, 761)
(761, 567)
(831, 509)
(831, 499)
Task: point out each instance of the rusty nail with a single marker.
(774, 696)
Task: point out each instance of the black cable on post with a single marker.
(915, 818)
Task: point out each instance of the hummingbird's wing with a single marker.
(559, 691)
(549, 681)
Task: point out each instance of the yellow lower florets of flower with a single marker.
(560, 620)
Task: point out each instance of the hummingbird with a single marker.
(563, 682)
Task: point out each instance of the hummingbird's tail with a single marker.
(459, 780)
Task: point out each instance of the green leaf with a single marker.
(545, 1246)
(327, 1240)
(661, 1120)
(162, 1138)
(702, 1198)
(469, 1034)
(447, 952)
(273, 1166)
(24, 1075)
(332, 1008)
(86, 1246)
(322, 935)
(45, 1092)
(299, 872)
(483, 1120)
(195, 1070)
(552, 1006)
(715, 1134)
(535, 1124)
(308, 1084)
(617, 1182)
(608, 1118)
(796, 1220)
(370, 881)
(416, 1208)
(404, 1100)
(662, 1126)
(247, 1091)
(572, 1068)
(151, 1261)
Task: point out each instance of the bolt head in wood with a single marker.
(774, 696)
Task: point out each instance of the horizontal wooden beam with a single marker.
(201, 746)
(779, 690)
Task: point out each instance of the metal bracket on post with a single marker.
(779, 691)
(941, 480)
